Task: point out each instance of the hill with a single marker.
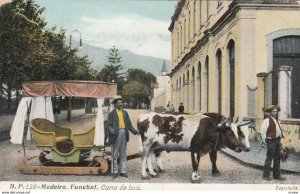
(130, 60)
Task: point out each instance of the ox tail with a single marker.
(141, 147)
(140, 139)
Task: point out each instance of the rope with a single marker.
(217, 141)
(255, 88)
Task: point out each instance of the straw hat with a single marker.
(273, 106)
(116, 98)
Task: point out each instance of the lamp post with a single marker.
(80, 40)
(69, 111)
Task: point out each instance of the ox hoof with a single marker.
(154, 175)
(217, 173)
(146, 177)
(196, 181)
(161, 171)
(158, 170)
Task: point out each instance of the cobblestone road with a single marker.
(177, 164)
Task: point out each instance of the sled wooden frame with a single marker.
(82, 141)
(64, 170)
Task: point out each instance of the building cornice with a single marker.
(233, 8)
(177, 12)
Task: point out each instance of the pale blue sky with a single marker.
(135, 25)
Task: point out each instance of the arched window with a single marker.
(193, 91)
(177, 93)
(219, 79)
(189, 27)
(181, 39)
(178, 44)
(183, 90)
(231, 65)
(207, 82)
(194, 18)
(187, 84)
(286, 52)
(180, 90)
(199, 78)
(184, 34)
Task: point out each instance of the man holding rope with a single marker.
(119, 125)
(271, 134)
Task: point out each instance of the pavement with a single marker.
(256, 158)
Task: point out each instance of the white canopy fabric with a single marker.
(39, 94)
(17, 129)
(99, 137)
(41, 107)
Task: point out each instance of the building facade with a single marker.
(237, 57)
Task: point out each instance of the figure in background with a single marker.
(167, 109)
(172, 109)
(181, 108)
(56, 112)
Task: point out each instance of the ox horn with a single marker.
(228, 122)
(243, 123)
(223, 121)
(252, 125)
(237, 119)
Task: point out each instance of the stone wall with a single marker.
(291, 131)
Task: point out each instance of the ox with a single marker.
(199, 134)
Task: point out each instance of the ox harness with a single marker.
(220, 144)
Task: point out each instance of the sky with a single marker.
(138, 26)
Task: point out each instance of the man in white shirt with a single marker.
(271, 135)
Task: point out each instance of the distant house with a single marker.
(161, 90)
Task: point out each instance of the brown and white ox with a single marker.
(200, 134)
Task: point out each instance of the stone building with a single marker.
(236, 57)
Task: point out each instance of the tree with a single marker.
(141, 76)
(135, 94)
(20, 31)
(29, 52)
(111, 72)
(137, 89)
(66, 64)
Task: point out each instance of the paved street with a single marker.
(178, 169)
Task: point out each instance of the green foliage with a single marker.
(141, 76)
(21, 30)
(135, 94)
(137, 89)
(111, 72)
(29, 52)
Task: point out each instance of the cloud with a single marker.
(128, 32)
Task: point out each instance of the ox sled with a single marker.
(53, 149)
(198, 134)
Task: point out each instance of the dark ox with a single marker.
(199, 134)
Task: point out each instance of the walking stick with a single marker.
(113, 157)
